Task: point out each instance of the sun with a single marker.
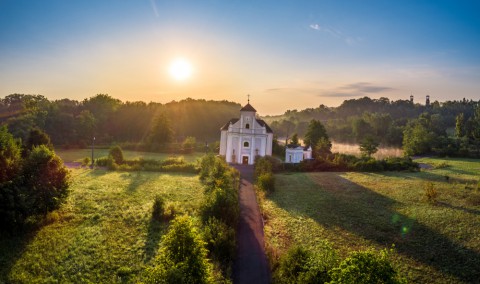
(180, 69)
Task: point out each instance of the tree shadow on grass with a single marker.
(156, 229)
(357, 209)
(135, 180)
(12, 247)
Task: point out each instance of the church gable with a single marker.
(242, 139)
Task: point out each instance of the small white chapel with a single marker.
(244, 138)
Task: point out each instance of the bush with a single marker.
(431, 192)
(221, 204)
(300, 265)
(365, 267)
(264, 178)
(266, 182)
(220, 240)
(86, 162)
(368, 165)
(262, 165)
(117, 154)
(182, 257)
(45, 179)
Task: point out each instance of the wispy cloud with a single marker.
(350, 90)
(336, 33)
(365, 87)
(355, 90)
(154, 7)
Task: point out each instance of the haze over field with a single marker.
(287, 55)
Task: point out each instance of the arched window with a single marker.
(247, 126)
(246, 144)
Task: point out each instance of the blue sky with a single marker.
(286, 54)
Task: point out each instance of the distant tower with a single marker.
(411, 99)
(427, 102)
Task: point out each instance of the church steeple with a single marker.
(248, 106)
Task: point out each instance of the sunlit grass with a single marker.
(353, 149)
(104, 232)
(435, 243)
(77, 155)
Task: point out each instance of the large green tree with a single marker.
(417, 139)
(161, 131)
(315, 132)
(10, 159)
(369, 146)
(45, 181)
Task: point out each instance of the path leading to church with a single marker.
(251, 265)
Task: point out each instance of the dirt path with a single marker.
(251, 265)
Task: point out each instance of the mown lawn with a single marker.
(434, 243)
(103, 234)
(77, 155)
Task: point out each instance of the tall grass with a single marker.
(353, 149)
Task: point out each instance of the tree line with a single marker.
(385, 120)
(74, 123)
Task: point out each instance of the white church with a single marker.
(244, 138)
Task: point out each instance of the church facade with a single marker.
(244, 138)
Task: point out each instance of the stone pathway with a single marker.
(251, 265)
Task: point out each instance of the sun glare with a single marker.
(180, 69)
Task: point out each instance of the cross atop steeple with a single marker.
(248, 98)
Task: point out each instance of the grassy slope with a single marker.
(72, 155)
(103, 234)
(434, 243)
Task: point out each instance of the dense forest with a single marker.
(74, 124)
(446, 128)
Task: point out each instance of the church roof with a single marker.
(232, 121)
(259, 121)
(248, 107)
(263, 123)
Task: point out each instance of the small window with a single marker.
(246, 144)
(247, 126)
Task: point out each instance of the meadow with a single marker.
(434, 242)
(353, 149)
(103, 234)
(77, 155)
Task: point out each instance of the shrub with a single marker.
(431, 192)
(221, 204)
(205, 165)
(220, 240)
(400, 164)
(117, 154)
(365, 267)
(266, 182)
(45, 179)
(262, 165)
(368, 165)
(264, 178)
(300, 265)
(182, 257)
(86, 162)
(102, 162)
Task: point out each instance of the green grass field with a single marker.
(76, 155)
(104, 232)
(434, 243)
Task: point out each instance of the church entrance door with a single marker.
(245, 160)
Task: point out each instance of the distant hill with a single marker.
(356, 118)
